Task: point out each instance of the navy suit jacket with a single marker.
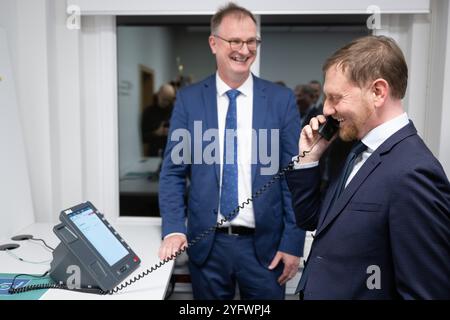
(394, 215)
(273, 108)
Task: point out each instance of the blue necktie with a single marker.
(229, 197)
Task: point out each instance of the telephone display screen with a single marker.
(96, 232)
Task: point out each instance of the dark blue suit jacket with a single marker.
(273, 108)
(394, 214)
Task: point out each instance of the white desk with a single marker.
(143, 238)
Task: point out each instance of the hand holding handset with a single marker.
(311, 144)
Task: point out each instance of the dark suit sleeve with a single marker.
(304, 185)
(419, 224)
(172, 182)
(293, 238)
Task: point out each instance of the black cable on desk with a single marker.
(45, 244)
(25, 274)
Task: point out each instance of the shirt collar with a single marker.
(246, 88)
(380, 134)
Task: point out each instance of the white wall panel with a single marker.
(137, 7)
(15, 192)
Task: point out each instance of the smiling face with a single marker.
(233, 65)
(348, 104)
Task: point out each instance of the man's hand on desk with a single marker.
(291, 264)
(171, 244)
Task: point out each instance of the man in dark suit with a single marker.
(258, 249)
(317, 87)
(155, 121)
(383, 225)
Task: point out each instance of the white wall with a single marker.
(46, 64)
(30, 62)
(438, 105)
(293, 56)
(108, 7)
(191, 45)
(98, 109)
(296, 57)
(15, 192)
(8, 21)
(424, 41)
(151, 47)
(444, 143)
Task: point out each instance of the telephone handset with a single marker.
(326, 130)
(329, 128)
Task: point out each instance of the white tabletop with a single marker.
(143, 238)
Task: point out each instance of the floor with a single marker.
(188, 296)
(183, 291)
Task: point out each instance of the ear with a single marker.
(212, 44)
(380, 91)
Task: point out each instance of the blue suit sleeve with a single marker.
(172, 182)
(293, 239)
(419, 225)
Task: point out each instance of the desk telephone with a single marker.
(105, 260)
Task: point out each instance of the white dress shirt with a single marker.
(375, 138)
(372, 140)
(244, 113)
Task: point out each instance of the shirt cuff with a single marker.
(174, 234)
(298, 165)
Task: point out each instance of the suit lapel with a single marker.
(259, 116)
(210, 104)
(337, 207)
(333, 210)
(327, 202)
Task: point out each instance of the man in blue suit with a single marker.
(221, 131)
(383, 225)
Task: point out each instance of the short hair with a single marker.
(307, 90)
(228, 10)
(372, 57)
(315, 82)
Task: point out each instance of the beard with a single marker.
(351, 130)
(348, 133)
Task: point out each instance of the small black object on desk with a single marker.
(9, 246)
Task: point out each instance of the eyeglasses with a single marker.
(237, 44)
